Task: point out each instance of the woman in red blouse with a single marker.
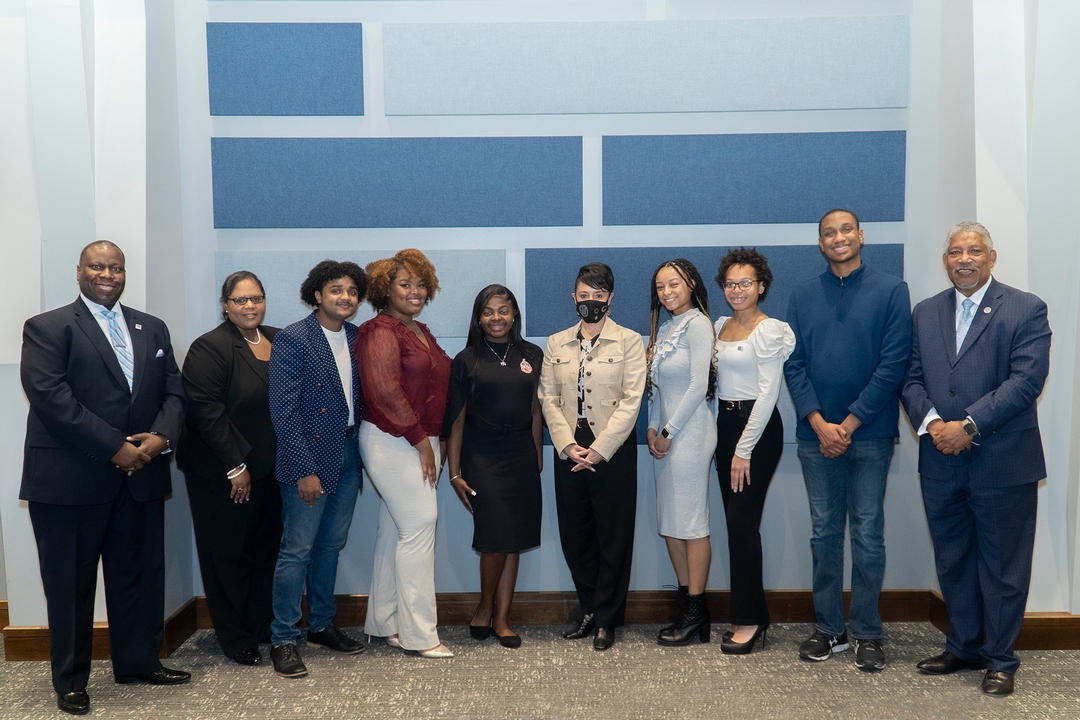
(405, 375)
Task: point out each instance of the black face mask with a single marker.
(592, 311)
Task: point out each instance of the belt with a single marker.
(350, 430)
(737, 404)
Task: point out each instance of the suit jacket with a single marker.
(228, 412)
(81, 409)
(995, 378)
(614, 383)
(307, 403)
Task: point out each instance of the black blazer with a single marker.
(228, 420)
(81, 409)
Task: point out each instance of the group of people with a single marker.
(275, 429)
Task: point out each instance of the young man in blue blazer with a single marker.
(315, 405)
(979, 358)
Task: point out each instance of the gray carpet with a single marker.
(549, 677)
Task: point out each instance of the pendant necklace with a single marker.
(502, 360)
(257, 334)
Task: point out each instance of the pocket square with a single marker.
(160, 353)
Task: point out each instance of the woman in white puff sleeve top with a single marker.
(750, 352)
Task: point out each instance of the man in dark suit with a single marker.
(105, 402)
(979, 358)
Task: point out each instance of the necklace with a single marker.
(257, 334)
(502, 360)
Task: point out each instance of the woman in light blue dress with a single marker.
(682, 436)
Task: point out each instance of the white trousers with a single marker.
(402, 599)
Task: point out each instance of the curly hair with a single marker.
(699, 299)
(329, 270)
(382, 272)
(751, 257)
(230, 284)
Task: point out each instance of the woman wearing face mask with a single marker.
(226, 450)
(495, 434)
(405, 375)
(682, 436)
(591, 385)
(751, 349)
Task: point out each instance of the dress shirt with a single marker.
(103, 322)
(977, 298)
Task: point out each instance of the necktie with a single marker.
(123, 352)
(967, 312)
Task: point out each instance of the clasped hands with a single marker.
(949, 438)
(584, 458)
(834, 440)
(658, 444)
(137, 451)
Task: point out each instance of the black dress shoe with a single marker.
(508, 641)
(946, 663)
(161, 676)
(997, 682)
(76, 702)
(251, 656)
(588, 624)
(480, 632)
(605, 638)
(287, 662)
(332, 638)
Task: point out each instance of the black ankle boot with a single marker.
(693, 621)
(680, 605)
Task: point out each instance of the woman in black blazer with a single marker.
(226, 451)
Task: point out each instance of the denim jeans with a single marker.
(311, 538)
(850, 488)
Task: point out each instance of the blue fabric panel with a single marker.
(396, 182)
(752, 178)
(461, 274)
(666, 66)
(285, 68)
(550, 273)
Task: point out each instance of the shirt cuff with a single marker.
(931, 416)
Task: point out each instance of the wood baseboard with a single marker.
(1041, 631)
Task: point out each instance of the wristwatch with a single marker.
(168, 445)
(970, 427)
(665, 433)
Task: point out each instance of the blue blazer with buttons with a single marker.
(307, 404)
(995, 378)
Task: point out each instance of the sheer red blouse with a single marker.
(404, 382)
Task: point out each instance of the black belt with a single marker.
(737, 404)
(350, 430)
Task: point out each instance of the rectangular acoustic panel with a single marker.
(752, 178)
(461, 273)
(285, 68)
(550, 273)
(810, 63)
(396, 182)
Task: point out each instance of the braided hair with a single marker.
(699, 299)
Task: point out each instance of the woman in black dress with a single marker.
(495, 428)
(226, 450)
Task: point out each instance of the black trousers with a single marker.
(743, 510)
(238, 548)
(596, 513)
(128, 537)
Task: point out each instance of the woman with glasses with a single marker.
(682, 436)
(750, 349)
(226, 450)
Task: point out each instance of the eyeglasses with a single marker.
(242, 301)
(744, 284)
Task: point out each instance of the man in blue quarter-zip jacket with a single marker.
(853, 335)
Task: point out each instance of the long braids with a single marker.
(699, 299)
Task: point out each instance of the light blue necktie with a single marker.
(967, 312)
(123, 352)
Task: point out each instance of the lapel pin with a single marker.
(139, 327)
(986, 310)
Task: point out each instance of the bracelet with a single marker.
(236, 471)
(456, 477)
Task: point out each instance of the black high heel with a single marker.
(730, 647)
(694, 621)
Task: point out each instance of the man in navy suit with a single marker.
(106, 401)
(315, 404)
(979, 358)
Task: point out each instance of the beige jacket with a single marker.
(614, 385)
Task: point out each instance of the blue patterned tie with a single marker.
(123, 352)
(967, 312)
